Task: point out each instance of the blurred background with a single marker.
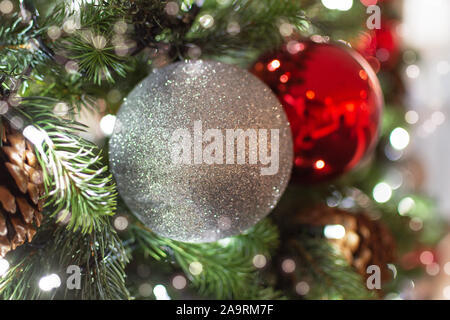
(426, 29)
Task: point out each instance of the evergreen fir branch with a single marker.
(100, 256)
(95, 57)
(99, 16)
(89, 44)
(70, 89)
(327, 272)
(153, 26)
(227, 265)
(19, 49)
(14, 30)
(257, 23)
(76, 182)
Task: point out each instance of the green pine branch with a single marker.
(68, 88)
(78, 186)
(100, 256)
(328, 274)
(18, 47)
(255, 29)
(227, 270)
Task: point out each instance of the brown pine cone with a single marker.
(21, 190)
(366, 242)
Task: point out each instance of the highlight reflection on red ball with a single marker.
(333, 101)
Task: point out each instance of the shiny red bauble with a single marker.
(333, 101)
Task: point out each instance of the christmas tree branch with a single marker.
(326, 271)
(78, 186)
(222, 269)
(99, 255)
(244, 29)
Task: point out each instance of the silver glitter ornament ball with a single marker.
(201, 151)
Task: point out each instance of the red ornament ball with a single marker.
(333, 101)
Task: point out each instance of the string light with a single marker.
(284, 78)
(447, 268)
(334, 231)
(195, 268)
(432, 269)
(172, 8)
(302, 288)
(342, 5)
(233, 28)
(4, 266)
(54, 32)
(6, 7)
(426, 257)
(382, 192)
(179, 282)
(288, 266)
(406, 205)
(206, 21)
(71, 25)
(413, 71)
(320, 164)
(412, 117)
(273, 65)
(121, 223)
(259, 261)
(399, 138)
(47, 283)
(416, 224)
(107, 124)
(160, 292)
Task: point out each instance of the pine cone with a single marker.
(366, 242)
(21, 190)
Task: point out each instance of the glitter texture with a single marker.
(197, 202)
